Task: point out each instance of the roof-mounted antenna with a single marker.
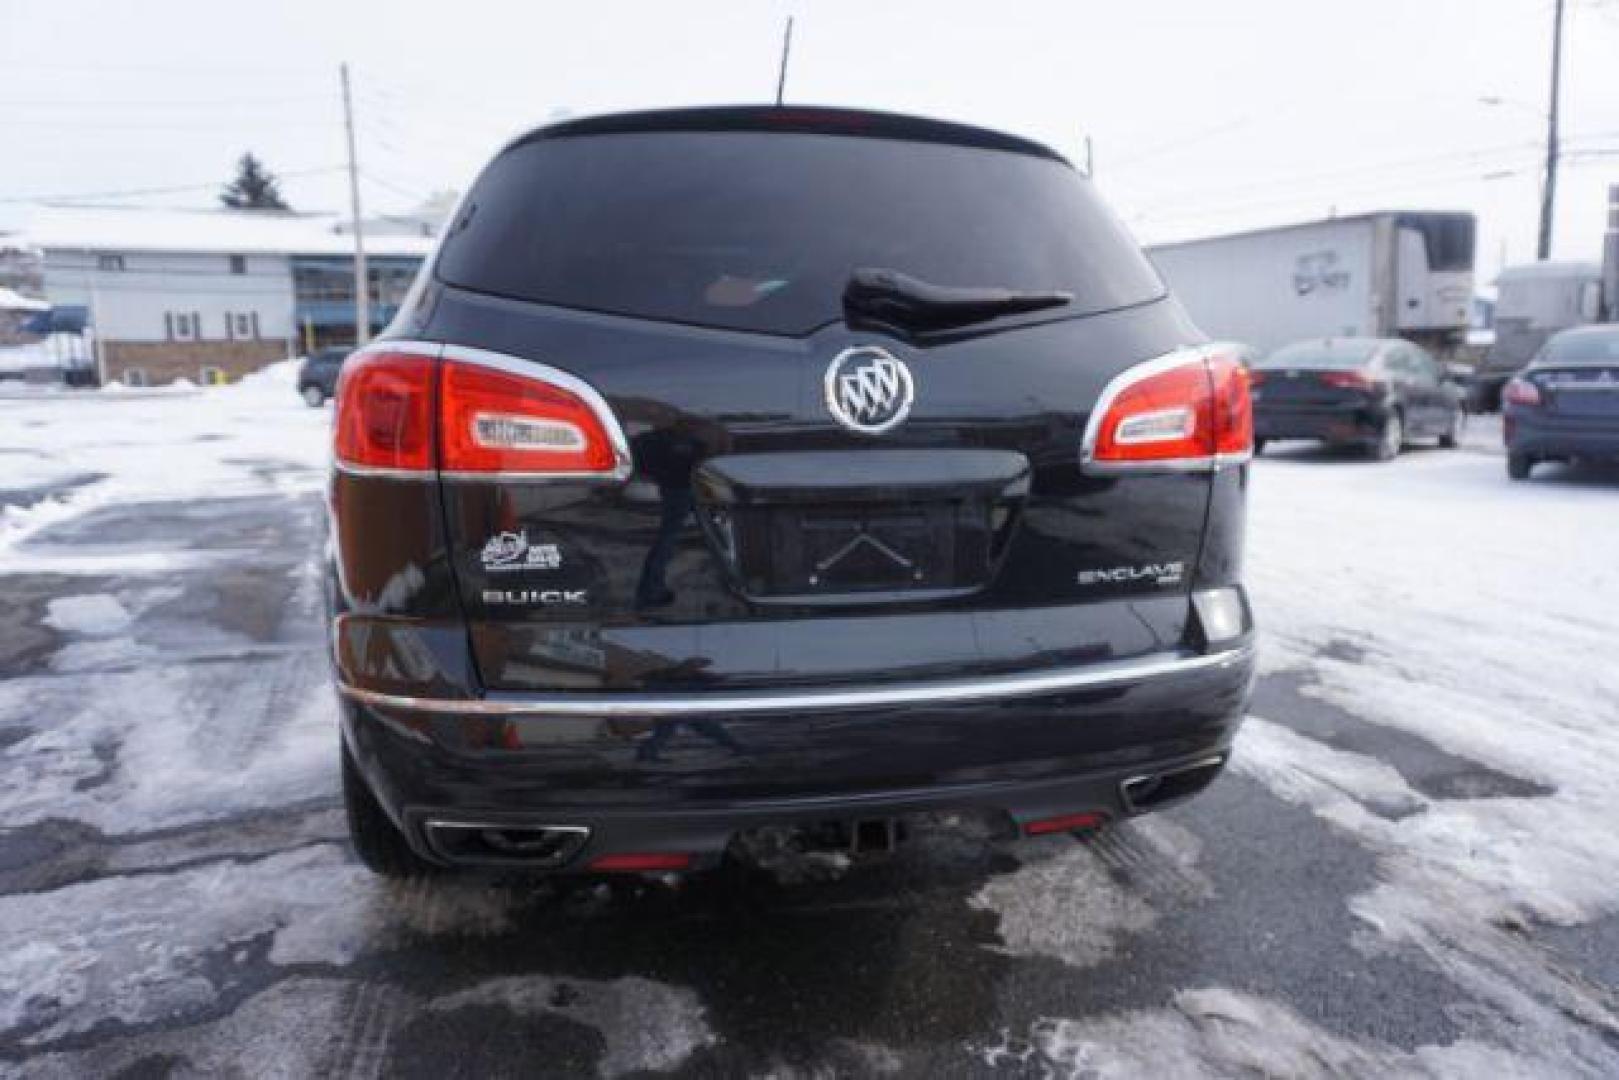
(786, 51)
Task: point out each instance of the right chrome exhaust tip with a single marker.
(1150, 791)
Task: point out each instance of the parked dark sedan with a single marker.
(317, 376)
(1565, 405)
(1378, 393)
(780, 469)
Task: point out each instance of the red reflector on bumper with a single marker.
(642, 862)
(1067, 823)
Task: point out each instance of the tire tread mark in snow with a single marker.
(373, 1016)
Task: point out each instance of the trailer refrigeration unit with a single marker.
(1395, 274)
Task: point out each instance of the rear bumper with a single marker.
(1355, 423)
(1542, 435)
(683, 773)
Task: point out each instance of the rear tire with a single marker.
(314, 396)
(1453, 434)
(1391, 439)
(377, 842)
(1518, 466)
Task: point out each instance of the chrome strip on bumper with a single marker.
(943, 692)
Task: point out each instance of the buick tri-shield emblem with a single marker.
(869, 390)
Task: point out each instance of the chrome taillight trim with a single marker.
(1127, 378)
(739, 702)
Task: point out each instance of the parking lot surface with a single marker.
(1411, 868)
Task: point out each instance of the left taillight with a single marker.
(469, 414)
(386, 413)
(1190, 409)
(1347, 380)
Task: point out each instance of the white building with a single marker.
(201, 294)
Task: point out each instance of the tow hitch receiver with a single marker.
(874, 836)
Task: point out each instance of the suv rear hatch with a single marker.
(698, 281)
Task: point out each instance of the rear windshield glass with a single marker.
(1325, 355)
(1582, 347)
(760, 231)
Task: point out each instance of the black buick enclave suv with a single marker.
(745, 468)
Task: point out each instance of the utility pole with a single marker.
(786, 50)
(1090, 160)
(1610, 258)
(1548, 190)
(362, 289)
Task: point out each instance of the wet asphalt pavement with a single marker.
(176, 896)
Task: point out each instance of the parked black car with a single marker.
(1378, 393)
(1565, 404)
(779, 467)
(317, 375)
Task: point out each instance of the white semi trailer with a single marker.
(1397, 274)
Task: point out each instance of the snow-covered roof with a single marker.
(105, 228)
(12, 300)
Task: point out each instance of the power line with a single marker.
(1474, 157)
(138, 192)
(1205, 209)
(397, 189)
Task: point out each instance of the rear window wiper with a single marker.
(888, 296)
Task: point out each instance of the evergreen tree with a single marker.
(255, 187)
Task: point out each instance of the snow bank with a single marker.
(248, 438)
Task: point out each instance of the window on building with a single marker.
(244, 326)
(322, 283)
(110, 262)
(182, 326)
(134, 376)
(238, 264)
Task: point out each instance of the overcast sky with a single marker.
(1205, 117)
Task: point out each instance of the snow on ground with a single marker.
(1429, 595)
(163, 745)
(81, 450)
(1478, 614)
(146, 947)
(181, 706)
(1434, 596)
(1226, 1033)
(1066, 902)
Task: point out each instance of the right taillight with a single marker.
(1188, 410)
(467, 413)
(1521, 392)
